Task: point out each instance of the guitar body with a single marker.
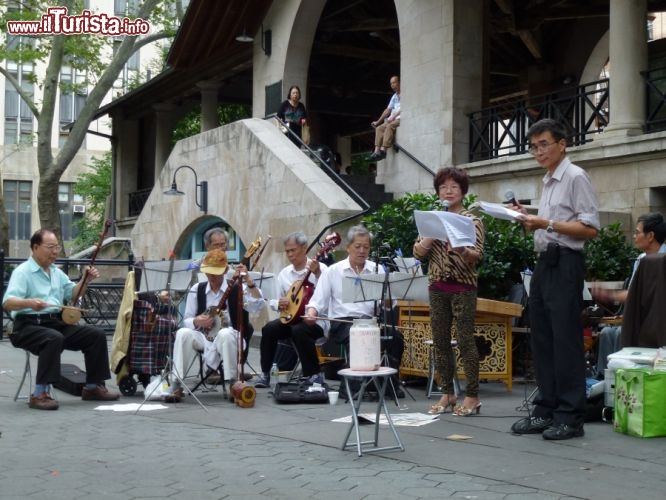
(301, 291)
(299, 295)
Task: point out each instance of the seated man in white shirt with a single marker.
(205, 329)
(303, 336)
(327, 298)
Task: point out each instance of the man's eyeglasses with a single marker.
(540, 147)
(50, 248)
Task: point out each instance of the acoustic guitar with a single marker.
(301, 290)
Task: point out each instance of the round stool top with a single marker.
(383, 371)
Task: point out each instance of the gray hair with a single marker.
(215, 230)
(297, 236)
(356, 231)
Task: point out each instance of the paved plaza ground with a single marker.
(293, 451)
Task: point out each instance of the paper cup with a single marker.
(333, 397)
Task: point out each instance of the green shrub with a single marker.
(508, 249)
(609, 257)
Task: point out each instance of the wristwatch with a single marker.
(551, 226)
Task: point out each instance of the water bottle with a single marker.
(275, 374)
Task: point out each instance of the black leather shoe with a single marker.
(557, 432)
(531, 425)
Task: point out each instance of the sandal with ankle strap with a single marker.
(438, 408)
(463, 411)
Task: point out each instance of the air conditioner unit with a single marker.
(79, 209)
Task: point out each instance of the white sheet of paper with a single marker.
(458, 230)
(499, 211)
(408, 265)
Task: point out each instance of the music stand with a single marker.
(170, 276)
(377, 287)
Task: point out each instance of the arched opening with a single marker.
(192, 240)
(355, 52)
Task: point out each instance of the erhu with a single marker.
(71, 314)
(244, 394)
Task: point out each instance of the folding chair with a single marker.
(27, 373)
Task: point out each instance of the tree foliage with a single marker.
(95, 187)
(99, 60)
(190, 124)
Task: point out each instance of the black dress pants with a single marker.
(48, 338)
(555, 306)
(304, 338)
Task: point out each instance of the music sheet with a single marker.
(458, 230)
(499, 211)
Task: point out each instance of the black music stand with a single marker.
(169, 276)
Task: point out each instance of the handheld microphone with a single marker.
(509, 197)
(444, 205)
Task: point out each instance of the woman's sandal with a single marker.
(463, 411)
(439, 408)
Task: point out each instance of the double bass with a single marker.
(301, 290)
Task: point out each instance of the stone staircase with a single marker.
(365, 186)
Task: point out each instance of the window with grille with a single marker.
(18, 203)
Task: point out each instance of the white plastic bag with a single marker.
(157, 389)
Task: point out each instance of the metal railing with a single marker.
(655, 99)
(500, 130)
(398, 148)
(137, 200)
(101, 301)
(335, 177)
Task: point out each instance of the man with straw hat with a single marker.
(207, 329)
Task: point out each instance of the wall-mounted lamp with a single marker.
(244, 38)
(267, 41)
(201, 186)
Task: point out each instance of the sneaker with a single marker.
(316, 379)
(263, 381)
(531, 425)
(559, 432)
(43, 402)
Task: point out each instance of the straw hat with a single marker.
(215, 262)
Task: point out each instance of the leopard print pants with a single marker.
(452, 316)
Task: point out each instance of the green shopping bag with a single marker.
(640, 402)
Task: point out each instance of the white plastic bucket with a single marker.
(364, 345)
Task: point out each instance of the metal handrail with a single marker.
(399, 148)
(335, 177)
